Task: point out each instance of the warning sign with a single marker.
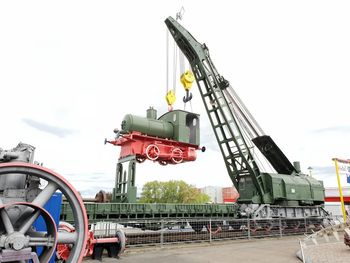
(344, 169)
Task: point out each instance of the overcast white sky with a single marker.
(70, 71)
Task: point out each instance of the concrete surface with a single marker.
(258, 250)
(331, 252)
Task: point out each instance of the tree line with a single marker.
(172, 192)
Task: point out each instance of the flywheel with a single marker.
(17, 218)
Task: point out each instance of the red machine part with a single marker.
(161, 150)
(63, 250)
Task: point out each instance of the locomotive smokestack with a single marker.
(151, 113)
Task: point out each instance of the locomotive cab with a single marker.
(185, 126)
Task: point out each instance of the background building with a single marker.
(220, 194)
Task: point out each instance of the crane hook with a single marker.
(188, 96)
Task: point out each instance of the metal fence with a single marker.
(171, 231)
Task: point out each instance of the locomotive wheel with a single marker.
(152, 152)
(177, 155)
(22, 222)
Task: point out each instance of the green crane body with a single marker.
(287, 187)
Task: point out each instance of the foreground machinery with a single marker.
(284, 193)
(30, 201)
(25, 189)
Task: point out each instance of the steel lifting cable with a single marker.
(175, 66)
(170, 96)
(182, 71)
(188, 97)
(178, 53)
(251, 147)
(167, 61)
(170, 93)
(186, 78)
(241, 112)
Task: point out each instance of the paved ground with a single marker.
(331, 252)
(259, 250)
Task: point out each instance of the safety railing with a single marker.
(160, 232)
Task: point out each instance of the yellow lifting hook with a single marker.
(170, 98)
(187, 79)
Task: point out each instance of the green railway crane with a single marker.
(238, 134)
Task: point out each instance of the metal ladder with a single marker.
(237, 156)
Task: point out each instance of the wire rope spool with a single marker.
(18, 221)
(152, 152)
